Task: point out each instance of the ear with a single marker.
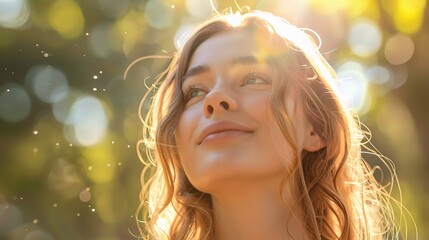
(313, 142)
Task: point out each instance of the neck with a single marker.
(255, 212)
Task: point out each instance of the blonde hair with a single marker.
(338, 194)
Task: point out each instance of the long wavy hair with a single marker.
(338, 195)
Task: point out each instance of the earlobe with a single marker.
(313, 142)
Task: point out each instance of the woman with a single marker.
(247, 140)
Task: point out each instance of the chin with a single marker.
(219, 178)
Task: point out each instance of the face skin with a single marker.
(226, 135)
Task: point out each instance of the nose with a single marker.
(217, 101)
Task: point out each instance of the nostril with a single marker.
(210, 108)
(225, 105)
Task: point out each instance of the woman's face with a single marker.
(226, 133)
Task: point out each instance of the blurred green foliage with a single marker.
(69, 120)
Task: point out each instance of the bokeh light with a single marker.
(48, 83)
(364, 38)
(399, 49)
(132, 27)
(199, 9)
(378, 74)
(85, 195)
(15, 103)
(66, 17)
(182, 35)
(61, 109)
(13, 13)
(10, 217)
(104, 40)
(399, 77)
(407, 14)
(159, 13)
(352, 85)
(88, 121)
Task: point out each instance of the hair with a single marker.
(337, 192)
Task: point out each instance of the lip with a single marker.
(222, 130)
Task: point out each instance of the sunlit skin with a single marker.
(230, 146)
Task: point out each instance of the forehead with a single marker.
(223, 47)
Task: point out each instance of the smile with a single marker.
(223, 136)
(222, 131)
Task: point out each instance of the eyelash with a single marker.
(195, 87)
(191, 89)
(255, 75)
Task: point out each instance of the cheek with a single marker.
(186, 126)
(284, 135)
(184, 136)
(188, 156)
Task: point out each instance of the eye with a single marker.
(255, 78)
(193, 91)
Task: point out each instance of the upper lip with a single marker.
(221, 126)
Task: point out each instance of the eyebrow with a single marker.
(196, 71)
(246, 60)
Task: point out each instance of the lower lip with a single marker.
(223, 136)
